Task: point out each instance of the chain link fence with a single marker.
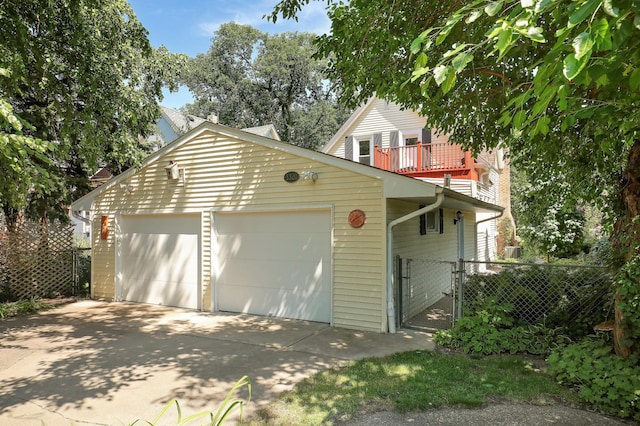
(574, 297)
(555, 295)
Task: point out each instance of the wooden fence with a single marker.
(36, 260)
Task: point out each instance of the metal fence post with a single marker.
(460, 289)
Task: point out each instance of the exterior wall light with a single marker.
(312, 176)
(173, 172)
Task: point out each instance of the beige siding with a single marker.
(227, 173)
(382, 117)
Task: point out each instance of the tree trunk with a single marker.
(626, 236)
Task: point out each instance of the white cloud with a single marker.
(312, 18)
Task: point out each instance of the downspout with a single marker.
(75, 214)
(475, 229)
(391, 312)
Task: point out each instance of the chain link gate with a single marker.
(426, 293)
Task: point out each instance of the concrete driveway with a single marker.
(100, 363)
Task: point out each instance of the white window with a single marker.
(364, 148)
(410, 137)
(431, 222)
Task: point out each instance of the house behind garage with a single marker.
(225, 220)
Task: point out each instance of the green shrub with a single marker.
(491, 330)
(22, 307)
(609, 382)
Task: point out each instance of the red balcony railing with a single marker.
(427, 160)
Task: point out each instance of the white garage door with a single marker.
(275, 263)
(159, 259)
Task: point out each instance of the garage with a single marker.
(274, 263)
(159, 259)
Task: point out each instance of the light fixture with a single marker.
(312, 176)
(459, 216)
(127, 188)
(173, 172)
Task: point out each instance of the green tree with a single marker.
(80, 86)
(547, 217)
(250, 78)
(555, 80)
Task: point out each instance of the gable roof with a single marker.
(355, 116)
(395, 185)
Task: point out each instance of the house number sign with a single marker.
(357, 218)
(291, 176)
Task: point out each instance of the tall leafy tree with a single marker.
(556, 80)
(80, 85)
(250, 78)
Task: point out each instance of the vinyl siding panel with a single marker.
(223, 173)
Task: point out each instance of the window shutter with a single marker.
(394, 137)
(377, 140)
(425, 136)
(348, 148)
(441, 215)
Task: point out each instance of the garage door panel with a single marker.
(273, 246)
(276, 263)
(250, 223)
(275, 273)
(159, 259)
(265, 301)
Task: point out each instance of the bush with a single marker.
(491, 330)
(609, 382)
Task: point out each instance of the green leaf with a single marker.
(440, 74)
(573, 66)
(601, 34)
(461, 61)
(416, 45)
(583, 11)
(493, 8)
(535, 34)
(519, 118)
(636, 21)
(450, 81)
(504, 41)
(451, 23)
(541, 4)
(610, 9)
(473, 16)
(421, 61)
(634, 79)
(622, 33)
(583, 45)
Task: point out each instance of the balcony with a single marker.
(431, 160)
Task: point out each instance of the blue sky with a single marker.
(186, 26)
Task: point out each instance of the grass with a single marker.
(22, 307)
(411, 381)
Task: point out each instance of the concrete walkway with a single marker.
(96, 363)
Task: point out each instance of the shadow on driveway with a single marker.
(112, 363)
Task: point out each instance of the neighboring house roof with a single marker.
(268, 131)
(101, 175)
(395, 186)
(180, 122)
